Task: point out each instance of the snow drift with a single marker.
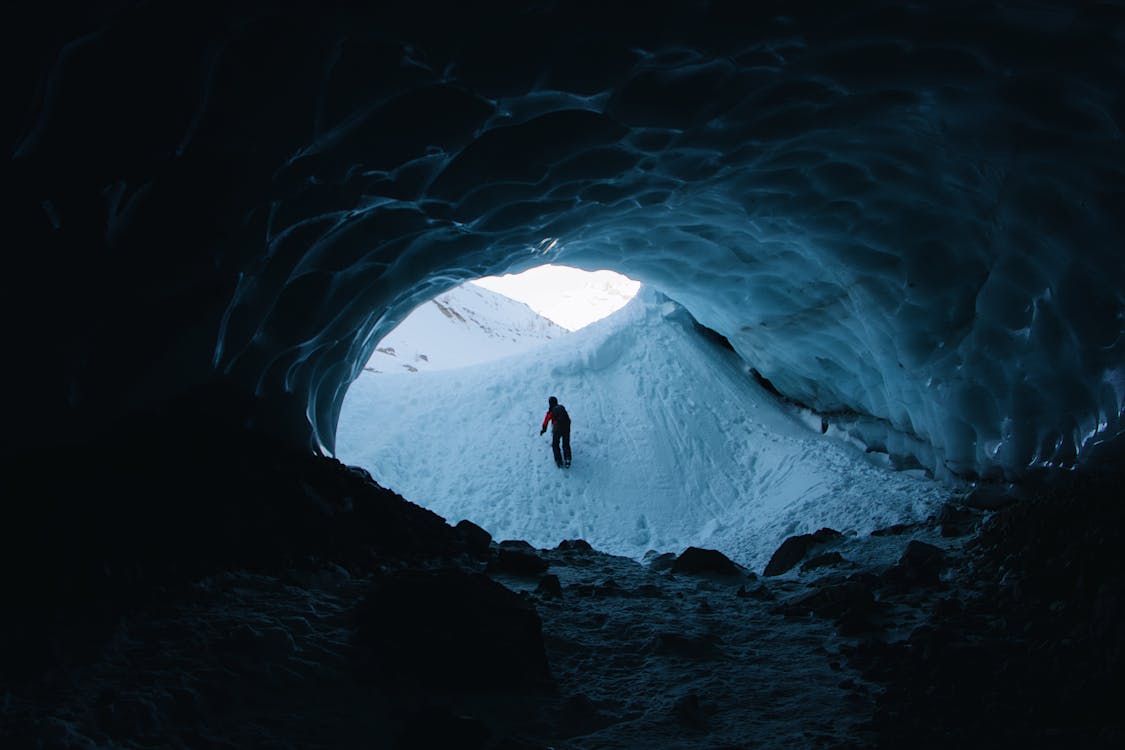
(674, 445)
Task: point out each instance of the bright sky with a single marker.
(571, 297)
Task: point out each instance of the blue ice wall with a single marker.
(907, 217)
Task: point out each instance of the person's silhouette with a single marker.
(560, 431)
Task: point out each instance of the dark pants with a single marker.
(564, 437)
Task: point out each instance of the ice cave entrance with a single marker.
(674, 442)
(568, 296)
(500, 316)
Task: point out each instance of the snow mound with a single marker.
(674, 445)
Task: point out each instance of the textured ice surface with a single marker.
(894, 224)
(674, 445)
(912, 214)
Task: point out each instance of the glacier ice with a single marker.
(908, 219)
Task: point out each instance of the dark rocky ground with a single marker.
(1023, 640)
(182, 593)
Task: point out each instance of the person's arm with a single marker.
(546, 419)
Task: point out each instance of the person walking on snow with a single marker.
(560, 431)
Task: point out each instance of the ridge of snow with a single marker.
(465, 326)
(572, 297)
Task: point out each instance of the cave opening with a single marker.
(676, 443)
(907, 218)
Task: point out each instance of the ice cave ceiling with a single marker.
(910, 212)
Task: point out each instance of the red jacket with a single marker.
(550, 417)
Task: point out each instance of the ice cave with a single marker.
(905, 221)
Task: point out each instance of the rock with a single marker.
(447, 628)
(855, 623)
(650, 591)
(122, 714)
(659, 562)
(580, 715)
(517, 544)
(920, 565)
(820, 561)
(987, 498)
(760, 592)
(948, 608)
(675, 644)
(438, 727)
(517, 562)
(519, 743)
(477, 541)
(956, 521)
(689, 712)
(549, 587)
(697, 561)
(574, 545)
(853, 598)
(895, 530)
(794, 549)
(610, 588)
(607, 588)
(831, 579)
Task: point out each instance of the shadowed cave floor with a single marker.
(1012, 636)
(639, 657)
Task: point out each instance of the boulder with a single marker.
(438, 727)
(689, 712)
(517, 562)
(956, 521)
(519, 544)
(897, 529)
(574, 545)
(794, 549)
(987, 498)
(820, 561)
(477, 541)
(697, 561)
(676, 644)
(760, 592)
(607, 588)
(658, 562)
(579, 715)
(517, 743)
(650, 591)
(920, 565)
(850, 599)
(549, 587)
(448, 628)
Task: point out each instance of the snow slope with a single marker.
(465, 326)
(674, 445)
(571, 297)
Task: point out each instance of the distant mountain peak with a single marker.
(465, 326)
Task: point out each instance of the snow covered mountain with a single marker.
(571, 297)
(674, 445)
(465, 326)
